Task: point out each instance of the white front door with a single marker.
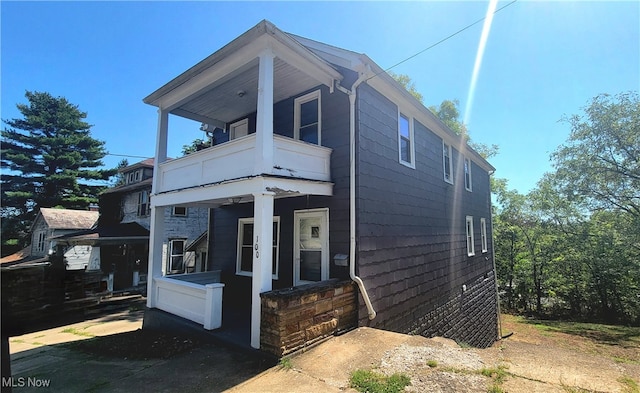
(311, 246)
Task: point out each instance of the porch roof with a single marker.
(223, 87)
(130, 232)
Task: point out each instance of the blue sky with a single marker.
(542, 60)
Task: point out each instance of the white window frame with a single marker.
(140, 204)
(447, 150)
(483, 234)
(412, 160)
(170, 255)
(239, 123)
(325, 262)
(468, 185)
(297, 104)
(241, 224)
(471, 249)
(173, 211)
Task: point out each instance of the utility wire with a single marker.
(125, 155)
(442, 40)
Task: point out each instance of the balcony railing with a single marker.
(236, 160)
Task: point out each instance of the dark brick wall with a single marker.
(411, 225)
(293, 319)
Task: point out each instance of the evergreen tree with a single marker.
(49, 159)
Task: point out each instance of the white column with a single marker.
(264, 120)
(262, 258)
(156, 235)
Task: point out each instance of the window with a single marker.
(405, 140)
(176, 256)
(239, 129)
(467, 174)
(483, 234)
(307, 118)
(179, 211)
(447, 163)
(470, 242)
(143, 203)
(244, 263)
(131, 177)
(41, 241)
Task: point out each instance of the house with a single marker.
(51, 223)
(336, 200)
(121, 237)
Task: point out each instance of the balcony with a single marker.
(236, 160)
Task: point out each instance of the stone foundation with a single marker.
(295, 318)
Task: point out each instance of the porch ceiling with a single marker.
(222, 101)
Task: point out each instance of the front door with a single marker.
(311, 246)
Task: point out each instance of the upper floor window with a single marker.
(405, 140)
(143, 204)
(179, 211)
(447, 163)
(244, 263)
(41, 241)
(467, 174)
(133, 177)
(470, 241)
(483, 234)
(239, 129)
(307, 118)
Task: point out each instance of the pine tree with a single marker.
(49, 159)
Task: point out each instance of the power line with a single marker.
(125, 155)
(443, 40)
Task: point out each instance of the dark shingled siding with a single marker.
(411, 233)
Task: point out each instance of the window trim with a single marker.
(447, 150)
(468, 184)
(147, 211)
(170, 255)
(174, 214)
(412, 156)
(234, 125)
(483, 235)
(297, 104)
(471, 246)
(250, 220)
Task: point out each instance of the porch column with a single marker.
(262, 257)
(264, 116)
(156, 235)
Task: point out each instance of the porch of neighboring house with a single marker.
(234, 92)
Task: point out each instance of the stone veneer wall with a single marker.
(295, 318)
(468, 316)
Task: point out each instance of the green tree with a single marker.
(119, 178)
(49, 159)
(197, 145)
(407, 83)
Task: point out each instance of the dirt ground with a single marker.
(112, 354)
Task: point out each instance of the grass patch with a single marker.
(432, 363)
(77, 332)
(606, 334)
(371, 382)
(285, 363)
(630, 385)
(498, 375)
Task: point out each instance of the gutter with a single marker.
(352, 189)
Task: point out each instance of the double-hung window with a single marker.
(244, 263)
(176, 256)
(307, 118)
(405, 140)
(467, 174)
(143, 203)
(447, 163)
(470, 242)
(179, 211)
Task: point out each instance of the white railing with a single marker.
(196, 302)
(236, 159)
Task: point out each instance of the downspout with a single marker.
(352, 191)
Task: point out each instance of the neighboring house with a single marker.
(122, 233)
(52, 223)
(337, 200)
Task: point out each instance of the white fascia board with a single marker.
(219, 193)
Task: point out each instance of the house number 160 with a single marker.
(256, 247)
